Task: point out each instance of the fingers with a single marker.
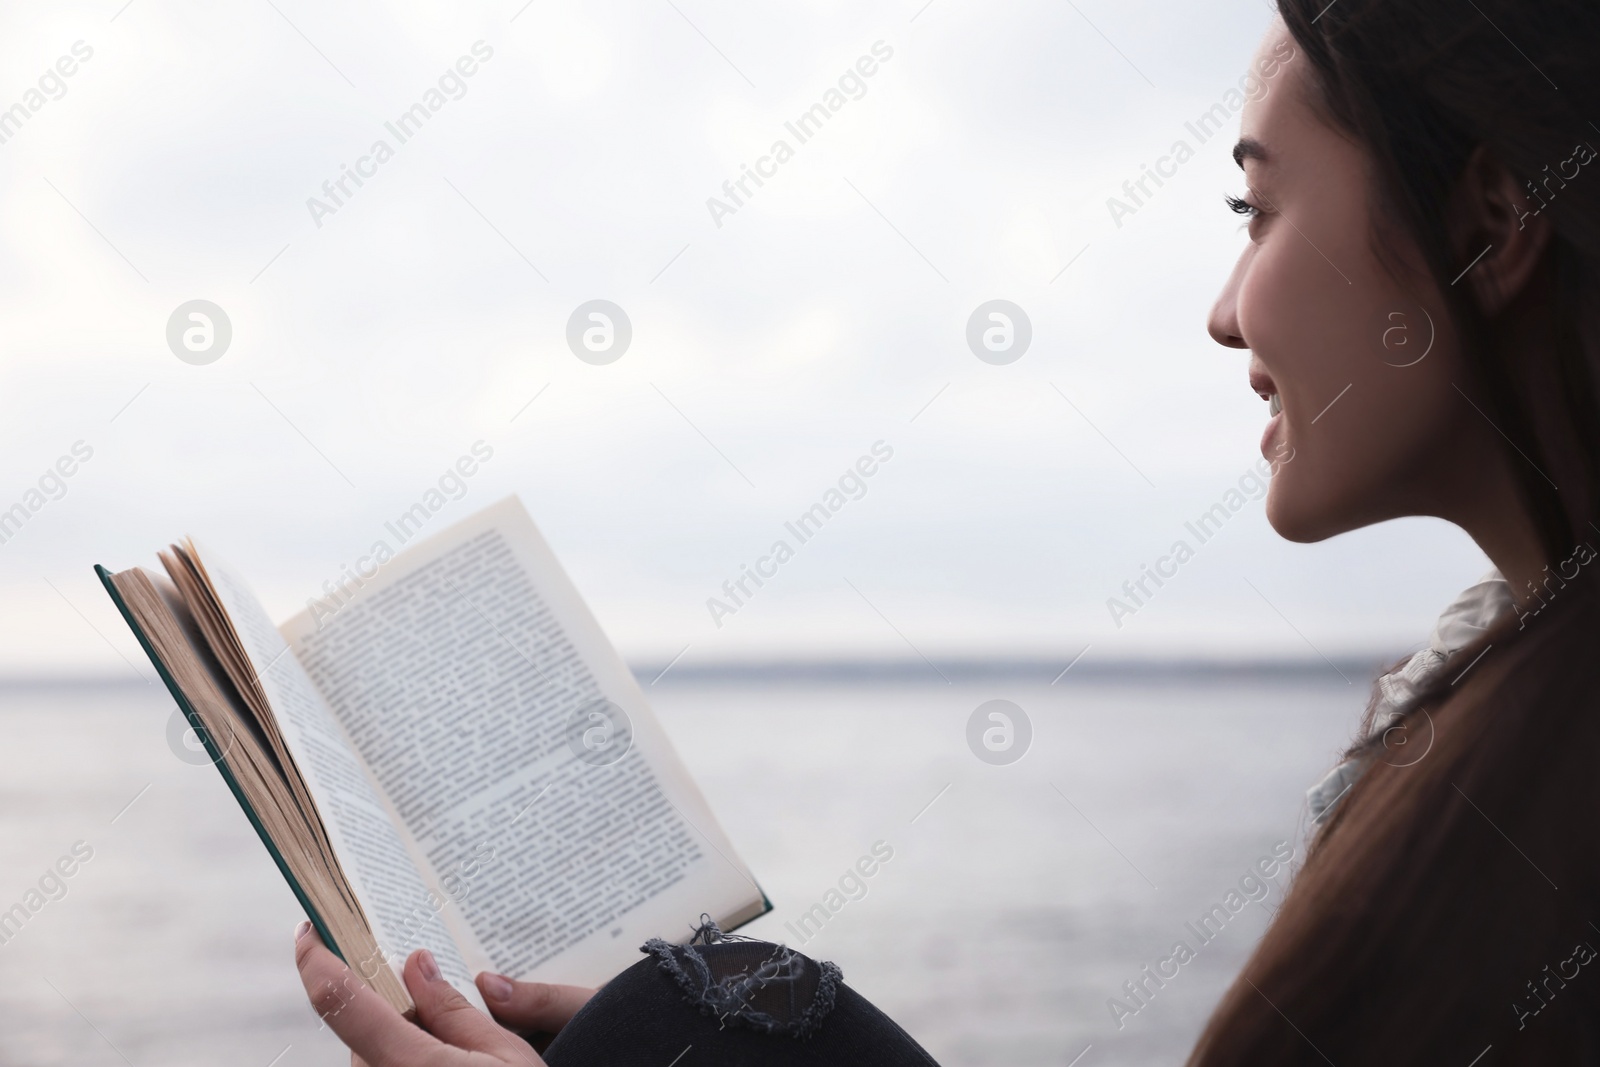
(531, 1006)
(451, 1017)
(364, 1021)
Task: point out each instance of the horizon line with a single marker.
(1051, 671)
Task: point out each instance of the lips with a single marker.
(1265, 387)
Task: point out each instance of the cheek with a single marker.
(1363, 406)
(1297, 321)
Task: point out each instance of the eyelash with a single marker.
(1242, 207)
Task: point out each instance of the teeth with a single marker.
(1275, 404)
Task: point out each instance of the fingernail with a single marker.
(496, 987)
(428, 965)
(303, 929)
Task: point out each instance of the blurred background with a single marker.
(357, 339)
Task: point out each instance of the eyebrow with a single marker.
(1249, 148)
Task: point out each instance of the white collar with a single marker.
(1479, 607)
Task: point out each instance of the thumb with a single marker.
(363, 1020)
(532, 1006)
(449, 1016)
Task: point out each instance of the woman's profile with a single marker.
(1420, 300)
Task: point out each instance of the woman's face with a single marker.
(1372, 426)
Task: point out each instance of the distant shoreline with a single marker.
(1359, 671)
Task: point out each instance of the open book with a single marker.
(446, 754)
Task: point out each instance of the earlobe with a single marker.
(1501, 230)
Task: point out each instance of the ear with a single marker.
(1491, 207)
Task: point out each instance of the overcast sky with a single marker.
(377, 337)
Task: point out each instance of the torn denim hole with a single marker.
(745, 982)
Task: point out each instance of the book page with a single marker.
(521, 755)
(378, 860)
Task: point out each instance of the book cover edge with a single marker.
(193, 718)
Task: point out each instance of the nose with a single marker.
(1223, 322)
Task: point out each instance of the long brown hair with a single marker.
(1450, 908)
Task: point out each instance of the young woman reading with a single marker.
(1420, 298)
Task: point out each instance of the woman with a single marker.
(1426, 173)
(1420, 296)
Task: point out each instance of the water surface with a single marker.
(1018, 901)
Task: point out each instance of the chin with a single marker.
(1304, 521)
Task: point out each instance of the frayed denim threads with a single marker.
(779, 991)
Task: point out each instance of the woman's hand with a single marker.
(452, 1032)
(536, 1010)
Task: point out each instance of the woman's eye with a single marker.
(1242, 207)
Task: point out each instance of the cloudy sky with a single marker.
(772, 346)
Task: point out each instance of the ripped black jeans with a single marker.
(729, 1001)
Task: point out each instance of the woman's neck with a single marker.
(1507, 536)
